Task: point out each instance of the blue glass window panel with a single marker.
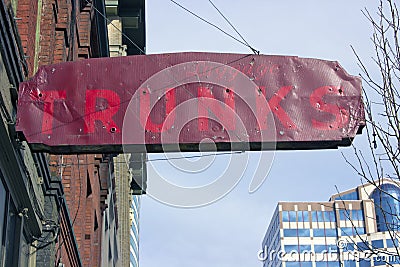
(290, 248)
(306, 264)
(305, 248)
(391, 244)
(361, 246)
(379, 261)
(292, 216)
(394, 259)
(359, 231)
(285, 216)
(365, 263)
(377, 243)
(357, 215)
(300, 216)
(330, 232)
(320, 248)
(320, 216)
(333, 248)
(349, 196)
(321, 264)
(333, 216)
(387, 207)
(332, 213)
(292, 264)
(349, 247)
(318, 232)
(290, 232)
(344, 215)
(324, 232)
(305, 216)
(304, 232)
(347, 231)
(314, 216)
(333, 264)
(328, 216)
(349, 263)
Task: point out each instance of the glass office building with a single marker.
(134, 232)
(355, 228)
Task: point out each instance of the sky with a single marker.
(229, 232)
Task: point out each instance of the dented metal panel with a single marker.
(171, 102)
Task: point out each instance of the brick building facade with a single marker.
(71, 30)
(37, 227)
(86, 180)
(56, 210)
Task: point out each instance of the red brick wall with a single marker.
(26, 22)
(56, 41)
(85, 201)
(59, 42)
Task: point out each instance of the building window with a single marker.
(320, 249)
(344, 215)
(290, 248)
(346, 231)
(377, 244)
(289, 232)
(324, 232)
(96, 223)
(348, 247)
(349, 196)
(326, 249)
(394, 260)
(88, 185)
(357, 215)
(297, 248)
(292, 264)
(349, 264)
(303, 216)
(303, 232)
(296, 232)
(327, 264)
(350, 231)
(359, 230)
(392, 243)
(329, 216)
(292, 216)
(380, 261)
(362, 246)
(13, 236)
(3, 201)
(365, 263)
(285, 216)
(304, 248)
(387, 207)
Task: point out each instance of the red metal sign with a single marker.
(186, 100)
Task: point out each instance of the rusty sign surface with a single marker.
(188, 101)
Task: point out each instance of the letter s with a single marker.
(340, 114)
